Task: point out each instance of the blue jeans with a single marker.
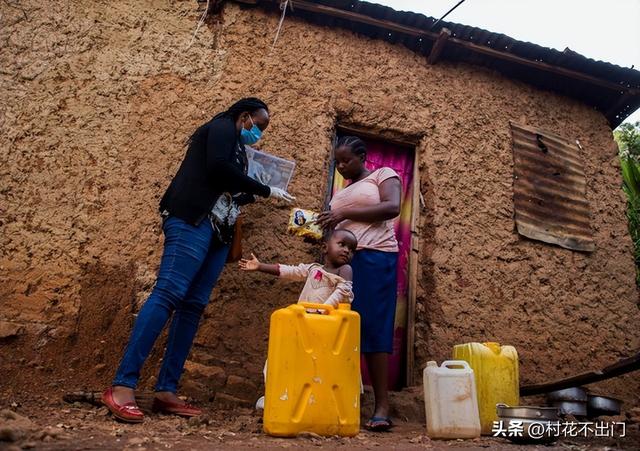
(190, 266)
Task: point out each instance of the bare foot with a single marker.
(123, 395)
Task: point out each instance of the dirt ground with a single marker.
(51, 424)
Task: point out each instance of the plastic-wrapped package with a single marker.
(303, 223)
(269, 169)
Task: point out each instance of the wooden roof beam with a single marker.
(304, 5)
(438, 46)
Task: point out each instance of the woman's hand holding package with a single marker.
(279, 193)
(330, 218)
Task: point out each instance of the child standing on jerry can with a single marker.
(313, 371)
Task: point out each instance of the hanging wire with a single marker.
(283, 6)
(200, 22)
(446, 14)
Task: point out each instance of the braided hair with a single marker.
(250, 104)
(355, 144)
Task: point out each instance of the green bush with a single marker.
(628, 138)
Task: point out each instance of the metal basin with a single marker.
(568, 394)
(602, 405)
(575, 408)
(532, 420)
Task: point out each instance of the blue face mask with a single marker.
(250, 136)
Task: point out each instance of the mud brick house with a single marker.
(513, 226)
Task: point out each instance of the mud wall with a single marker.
(100, 98)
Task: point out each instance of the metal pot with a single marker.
(602, 405)
(531, 422)
(528, 412)
(575, 408)
(570, 401)
(568, 394)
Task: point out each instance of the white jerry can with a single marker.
(450, 400)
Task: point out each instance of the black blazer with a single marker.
(215, 163)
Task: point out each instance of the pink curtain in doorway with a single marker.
(401, 160)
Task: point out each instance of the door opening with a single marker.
(401, 158)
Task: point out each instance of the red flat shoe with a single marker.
(174, 408)
(128, 412)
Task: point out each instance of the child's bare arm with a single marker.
(346, 272)
(255, 265)
(344, 290)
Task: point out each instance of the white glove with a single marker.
(279, 193)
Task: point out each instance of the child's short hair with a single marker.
(331, 233)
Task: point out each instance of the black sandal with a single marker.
(379, 424)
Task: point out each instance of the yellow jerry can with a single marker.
(497, 379)
(313, 371)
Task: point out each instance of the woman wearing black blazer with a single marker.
(199, 210)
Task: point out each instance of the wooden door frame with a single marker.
(401, 140)
(414, 253)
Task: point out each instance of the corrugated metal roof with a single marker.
(549, 189)
(616, 104)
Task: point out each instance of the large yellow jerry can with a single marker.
(313, 371)
(497, 378)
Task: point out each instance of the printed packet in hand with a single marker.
(303, 223)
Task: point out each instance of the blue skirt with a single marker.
(375, 293)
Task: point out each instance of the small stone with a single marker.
(199, 421)
(54, 432)
(135, 441)
(309, 435)
(29, 445)
(9, 330)
(40, 435)
(8, 414)
(99, 367)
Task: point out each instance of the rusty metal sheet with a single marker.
(549, 189)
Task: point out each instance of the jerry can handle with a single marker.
(327, 307)
(462, 363)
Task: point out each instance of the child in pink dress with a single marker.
(330, 283)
